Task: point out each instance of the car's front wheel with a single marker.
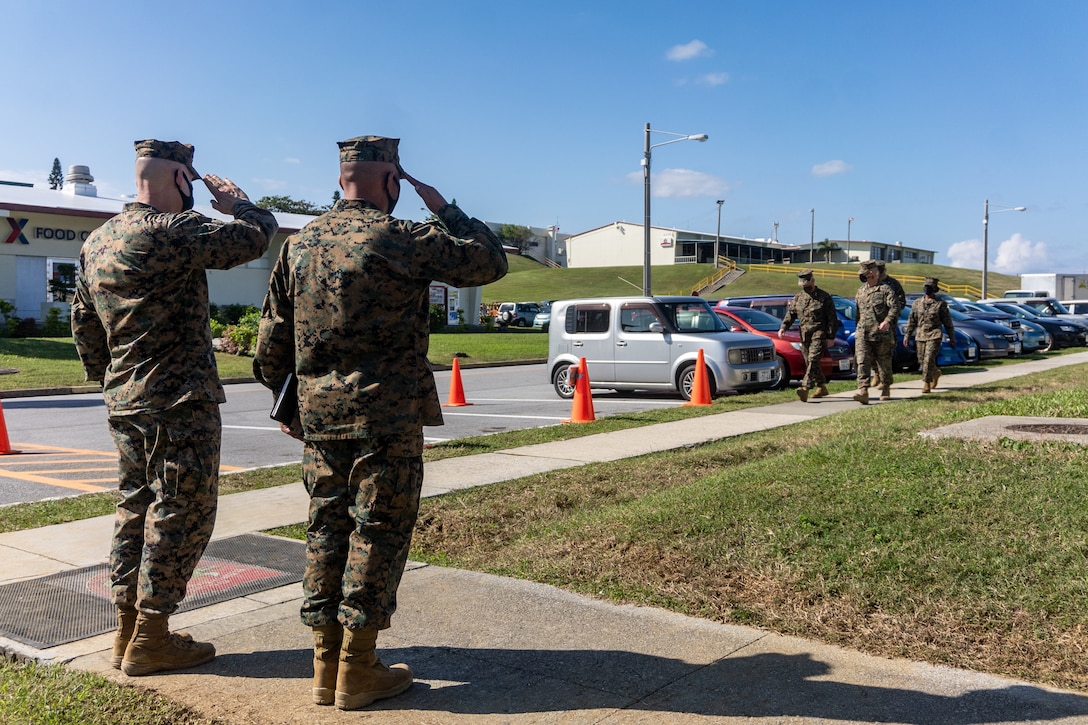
(783, 374)
(685, 382)
(561, 382)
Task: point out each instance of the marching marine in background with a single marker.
(900, 294)
(878, 313)
(928, 315)
(141, 325)
(347, 313)
(814, 309)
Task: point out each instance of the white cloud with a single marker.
(292, 160)
(687, 51)
(681, 183)
(966, 254)
(831, 168)
(712, 79)
(1015, 255)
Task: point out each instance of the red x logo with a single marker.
(16, 231)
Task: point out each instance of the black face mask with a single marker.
(186, 199)
(930, 290)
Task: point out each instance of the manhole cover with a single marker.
(1069, 429)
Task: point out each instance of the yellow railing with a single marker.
(725, 266)
(956, 290)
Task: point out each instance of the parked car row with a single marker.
(652, 343)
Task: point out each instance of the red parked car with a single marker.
(837, 361)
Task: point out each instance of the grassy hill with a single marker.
(530, 280)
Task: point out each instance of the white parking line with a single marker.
(497, 415)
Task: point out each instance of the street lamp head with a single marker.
(698, 137)
(1020, 208)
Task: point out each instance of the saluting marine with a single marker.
(347, 312)
(140, 322)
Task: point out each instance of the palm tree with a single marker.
(827, 247)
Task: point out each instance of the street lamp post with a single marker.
(718, 236)
(812, 236)
(646, 195)
(986, 239)
(848, 223)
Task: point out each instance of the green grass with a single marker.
(853, 530)
(52, 362)
(32, 694)
(528, 280)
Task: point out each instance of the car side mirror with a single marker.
(656, 327)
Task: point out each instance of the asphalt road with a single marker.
(65, 447)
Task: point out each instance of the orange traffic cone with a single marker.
(5, 446)
(700, 387)
(582, 409)
(457, 391)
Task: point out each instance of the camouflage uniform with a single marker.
(873, 347)
(927, 316)
(817, 321)
(901, 296)
(140, 322)
(347, 312)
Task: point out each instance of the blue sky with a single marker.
(905, 116)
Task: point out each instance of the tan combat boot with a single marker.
(802, 393)
(886, 392)
(821, 392)
(936, 377)
(126, 623)
(926, 387)
(862, 396)
(154, 648)
(327, 641)
(362, 677)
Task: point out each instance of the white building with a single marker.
(623, 244)
(42, 231)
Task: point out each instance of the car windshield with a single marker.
(846, 307)
(694, 316)
(1018, 310)
(757, 318)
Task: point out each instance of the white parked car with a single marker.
(653, 343)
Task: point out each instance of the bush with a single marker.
(57, 324)
(240, 338)
(23, 326)
(437, 318)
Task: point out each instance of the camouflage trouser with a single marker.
(364, 499)
(874, 353)
(168, 475)
(813, 347)
(927, 358)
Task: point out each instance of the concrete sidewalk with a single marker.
(488, 649)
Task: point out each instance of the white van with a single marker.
(652, 343)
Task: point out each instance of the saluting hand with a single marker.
(430, 195)
(226, 193)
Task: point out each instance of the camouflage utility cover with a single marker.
(140, 313)
(347, 311)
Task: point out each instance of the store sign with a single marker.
(19, 231)
(16, 231)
